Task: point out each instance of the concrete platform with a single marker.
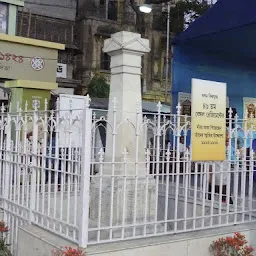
(37, 242)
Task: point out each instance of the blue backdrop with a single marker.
(238, 73)
(219, 46)
(228, 27)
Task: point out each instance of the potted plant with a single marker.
(4, 247)
(232, 246)
(68, 251)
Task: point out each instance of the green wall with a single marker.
(22, 95)
(30, 95)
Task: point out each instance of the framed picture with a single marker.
(250, 112)
(249, 107)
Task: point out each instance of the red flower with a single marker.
(3, 227)
(69, 251)
(236, 244)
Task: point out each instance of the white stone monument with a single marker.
(126, 50)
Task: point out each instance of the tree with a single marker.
(98, 87)
(194, 7)
(186, 8)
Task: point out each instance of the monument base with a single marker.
(132, 200)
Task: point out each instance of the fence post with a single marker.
(33, 165)
(7, 170)
(85, 174)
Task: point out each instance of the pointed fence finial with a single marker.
(45, 105)
(87, 101)
(114, 102)
(18, 106)
(230, 112)
(35, 104)
(138, 107)
(125, 154)
(187, 154)
(147, 155)
(94, 116)
(159, 107)
(70, 103)
(237, 154)
(236, 118)
(168, 153)
(10, 107)
(178, 109)
(174, 118)
(26, 106)
(155, 119)
(101, 155)
(2, 108)
(58, 104)
(164, 119)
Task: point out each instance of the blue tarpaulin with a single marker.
(228, 27)
(219, 46)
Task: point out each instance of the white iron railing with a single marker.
(94, 179)
(166, 192)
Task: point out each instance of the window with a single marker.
(112, 10)
(102, 2)
(3, 18)
(105, 61)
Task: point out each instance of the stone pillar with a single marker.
(126, 50)
(119, 193)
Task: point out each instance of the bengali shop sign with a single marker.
(27, 62)
(208, 120)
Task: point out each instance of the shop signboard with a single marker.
(62, 70)
(27, 62)
(208, 115)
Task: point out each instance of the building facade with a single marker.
(8, 20)
(55, 22)
(83, 25)
(27, 66)
(97, 20)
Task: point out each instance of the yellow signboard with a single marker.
(208, 120)
(27, 62)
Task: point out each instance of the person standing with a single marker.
(222, 171)
(50, 172)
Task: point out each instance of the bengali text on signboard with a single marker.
(27, 62)
(208, 120)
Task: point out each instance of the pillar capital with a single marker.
(126, 50)
(126, 42)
